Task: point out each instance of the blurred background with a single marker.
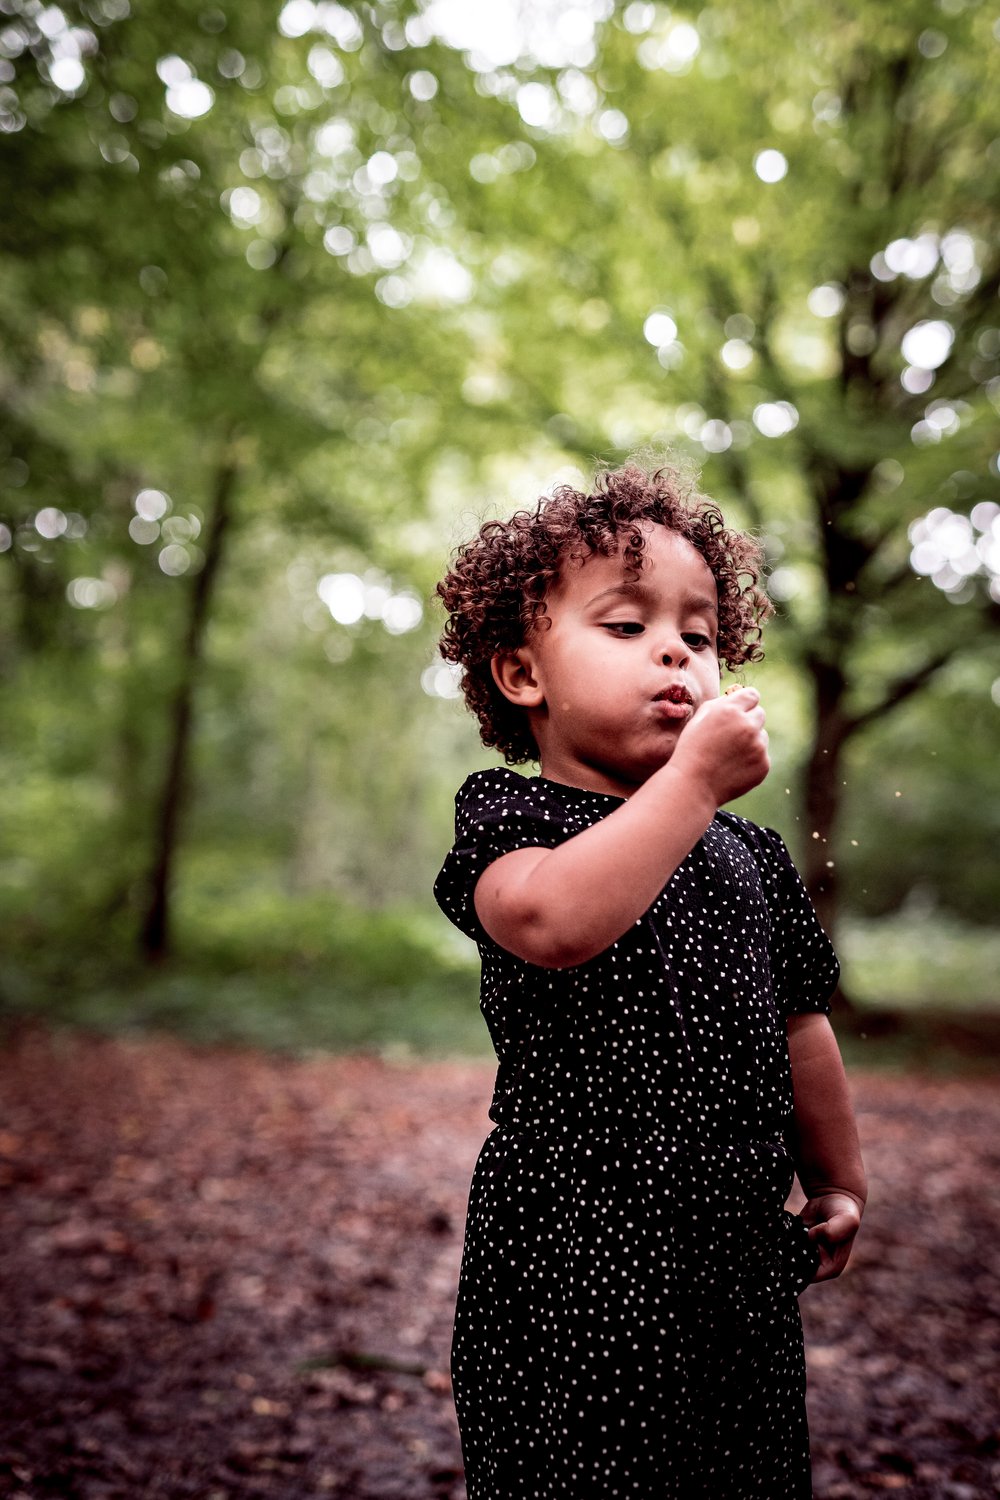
(292, 298)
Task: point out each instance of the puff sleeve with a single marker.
(804, 966)
(495, 813)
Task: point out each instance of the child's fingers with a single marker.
(831, 1265)
(834, 1238)
(748, 696)
(834, 1231)
(832, 1262)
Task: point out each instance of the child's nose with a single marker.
(673, 652)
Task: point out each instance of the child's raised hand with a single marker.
(834, 1219)
(724, 745)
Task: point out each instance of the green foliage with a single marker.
(267, 970)
(374, 292)
(920, 961)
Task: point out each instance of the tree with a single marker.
(176, 329)
(810, 247)
(289, 290)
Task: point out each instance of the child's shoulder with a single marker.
(497, 781)
(500, 798)
(499, 792)
(742, 827)
(492, 787)
(766, 844)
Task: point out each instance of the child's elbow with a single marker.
(530, 934)
(549, 947)
(558, 956)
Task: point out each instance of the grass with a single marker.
(915, 961)
(276, 1012)
(282, 974)
(294, 975)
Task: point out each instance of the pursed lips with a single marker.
(677, 701)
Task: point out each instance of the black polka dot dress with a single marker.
(627, 1320)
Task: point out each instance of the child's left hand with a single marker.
(834, 1219)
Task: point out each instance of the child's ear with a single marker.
(514, 674)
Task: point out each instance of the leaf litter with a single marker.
(231, 1274)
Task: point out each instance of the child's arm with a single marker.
(560, 907)
(826, 1148)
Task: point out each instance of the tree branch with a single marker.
(904, 687)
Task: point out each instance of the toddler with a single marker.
(656, 985)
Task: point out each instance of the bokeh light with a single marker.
(770, 165)
(736, 354)
(143, 532)
(660, 330)
(927, 344)
(553, 33)
(673, 50)
(90, 593)
(826, 301)
(187, 96)
(151, 505)
(952, 549)
(351, 598)
(773, 419)
(442, 679)
(50, 522)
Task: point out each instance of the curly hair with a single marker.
(495, 591)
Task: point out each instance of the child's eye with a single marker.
(624, 627)
(695, 641)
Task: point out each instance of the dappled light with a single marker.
(50, 522)
(927, 345)
(90, 593)
(953, 549)
(774, 419)
(442, 679)
(826, 301)
(673, 46)
(918, 258)
(350, 599)
(152, 524)
(770, 165)
(298, 17)
(553, 34)
(294, 298)
(187, 96)
(736, 354)
(660, 330)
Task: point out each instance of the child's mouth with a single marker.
(675, 702)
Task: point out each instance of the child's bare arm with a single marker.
(560, 907)
(827, 1151)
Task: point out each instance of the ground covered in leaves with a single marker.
(231, 1274)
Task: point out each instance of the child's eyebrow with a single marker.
(644, 593)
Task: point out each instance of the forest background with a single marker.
(292, 298)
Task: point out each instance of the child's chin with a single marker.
(649, 768)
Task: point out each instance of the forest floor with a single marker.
(231, 1274)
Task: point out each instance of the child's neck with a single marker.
(571, 772)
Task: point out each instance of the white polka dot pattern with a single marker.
(627, 1322)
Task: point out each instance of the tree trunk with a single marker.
(822, 798)
(822, 791)
(155, 934)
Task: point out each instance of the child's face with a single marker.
(622, 665)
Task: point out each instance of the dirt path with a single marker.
(226, 1274)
